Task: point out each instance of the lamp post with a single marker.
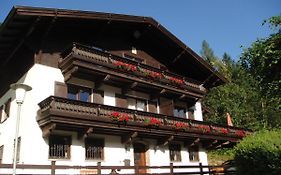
(20, 89)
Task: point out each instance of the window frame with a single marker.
(193, 154)
(175, 150)
(94, 142)
(178, 108)
(68, 142)
(77, 92)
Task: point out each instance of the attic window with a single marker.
(134, 50)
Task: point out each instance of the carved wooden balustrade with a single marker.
(128, 67)
(122, 118)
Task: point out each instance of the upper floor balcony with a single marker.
(84, 118)
(103, 67)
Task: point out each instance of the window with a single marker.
(79, 93)
(94, 149)
(175, 152)
(137, 104)
(179, 112)
(59, 147)
(190, 113)
(193, 154)
(5, 111)
(1, 153)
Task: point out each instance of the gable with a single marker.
(35, 28)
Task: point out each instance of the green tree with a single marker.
(240, 97)
(263, 61)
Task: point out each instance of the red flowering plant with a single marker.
(118, 117)
(125, 66)
(204, 128)
(151, 121)
(240, 133)
(181, 126)
(224, 131)
(175, 80)
(152, 74)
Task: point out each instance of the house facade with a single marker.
(116, 89)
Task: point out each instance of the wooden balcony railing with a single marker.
(131, 68)
(128, 117)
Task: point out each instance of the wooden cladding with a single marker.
(121, 101)
(152, 106)
(166, 106)
(60, 89)
(98, 96)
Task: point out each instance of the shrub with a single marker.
(259, 154)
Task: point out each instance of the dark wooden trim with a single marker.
(47, 130)
(85, 133)
(129, 138)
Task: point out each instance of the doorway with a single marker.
(139, 155)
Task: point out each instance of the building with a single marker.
(109, 88)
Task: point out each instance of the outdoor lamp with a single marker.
(20, 90)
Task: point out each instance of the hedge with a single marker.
(259, 154)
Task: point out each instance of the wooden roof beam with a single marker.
(102, 80)
(166, 141)
(84, 134)
(47, 130)
(129, 138)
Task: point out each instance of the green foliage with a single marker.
(263, 61)
(219, 156)
(208, 54)
(259, 154)
(253, 96)
(240, 97)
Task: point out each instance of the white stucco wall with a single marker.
(198, 111)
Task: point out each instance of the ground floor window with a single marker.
(94, 148)
(59, 147)
(193, 154)
(175, 152)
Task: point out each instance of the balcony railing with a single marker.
(128, 117)
(131, 68)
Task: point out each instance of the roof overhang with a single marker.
(21, 22)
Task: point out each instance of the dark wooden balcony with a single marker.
(84, 118)
(100, 66)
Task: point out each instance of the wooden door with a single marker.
(139, 156)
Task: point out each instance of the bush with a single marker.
(259, 154)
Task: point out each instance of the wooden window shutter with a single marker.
(60, 89)
(166, 106)
(190, 114)
(121, 101)
(152, 107)
(98, 96)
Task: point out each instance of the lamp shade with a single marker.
(20, 89)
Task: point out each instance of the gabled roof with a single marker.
(22, 21)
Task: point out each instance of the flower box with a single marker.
(153, 122)
(119, 117)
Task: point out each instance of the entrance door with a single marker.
(139, 156)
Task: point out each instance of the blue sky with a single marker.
(225, 24)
